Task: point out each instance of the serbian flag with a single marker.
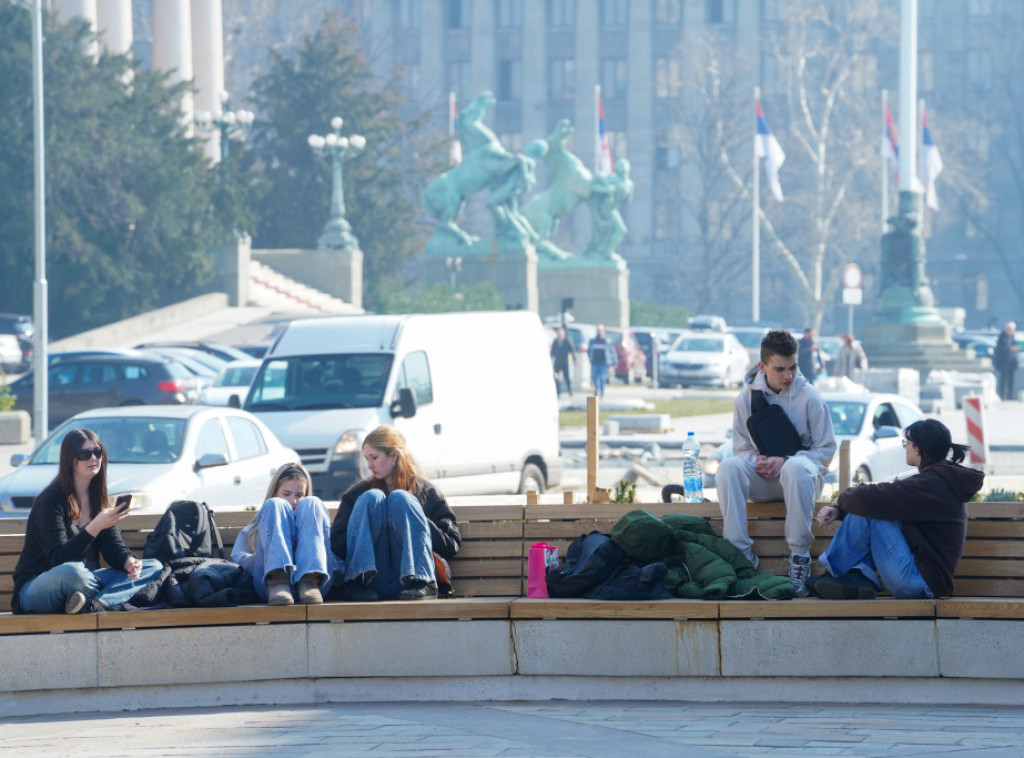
(604, 149)
(454, 146)
(767, 147)
(891, 144)
(932, 165)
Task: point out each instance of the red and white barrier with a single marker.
(975, 419)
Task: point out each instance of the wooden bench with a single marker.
(496, 538)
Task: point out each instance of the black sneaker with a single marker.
(418, 590)
(852, 586)
(356, 591)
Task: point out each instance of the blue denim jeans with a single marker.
(297, 541)
(390, 537)
(47, 592)
(878, 550)
(599, 376)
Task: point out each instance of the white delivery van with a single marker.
(473, 394)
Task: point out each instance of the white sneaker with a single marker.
(799, 570)
(751, 556)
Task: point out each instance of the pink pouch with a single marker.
(540, 557)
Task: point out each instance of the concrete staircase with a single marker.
(269, 289)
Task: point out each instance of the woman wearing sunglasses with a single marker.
(69, 527)
(906, 536)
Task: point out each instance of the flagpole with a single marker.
(920, 154)
(597, 129)
(755, 291)
(885, 166)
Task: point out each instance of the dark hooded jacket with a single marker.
(931, 508)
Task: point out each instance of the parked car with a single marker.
(232, 381)
(632, 365)
(750, 337)
(10, 353)
(224, 353)
(645, 337)
(23, 330)
(254, 349)
(159, 454)
(705, 323)
(82, 381)
(873, 422)
(704, 358)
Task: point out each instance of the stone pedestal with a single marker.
(921, 346)
(336, 272)
(600, 293)
(513, 273)
(232, 266)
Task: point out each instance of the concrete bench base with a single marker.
(500, 649)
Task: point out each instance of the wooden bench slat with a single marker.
(391, 610)
(242, 614)
(1003, 530)
(497, 530)
(994, 587)
(980, 607)
(993, 549)
(977, 567)
(569, 608)
(817, 608)
(44, 623)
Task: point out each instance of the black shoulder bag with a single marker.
(771, 429)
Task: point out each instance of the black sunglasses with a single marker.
(92, 452)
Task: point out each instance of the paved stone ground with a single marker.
(548, 729)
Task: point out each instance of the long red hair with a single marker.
(391, 442)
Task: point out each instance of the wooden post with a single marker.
(844, 465)
(568, 498)
(593, 408)
(532, 498)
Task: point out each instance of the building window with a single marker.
(561, 78)
(561, 12)
(613, 77)
(668, 153)
(460, 79)
(667, 78)
(721, 11)
(510, 14)
(927, 72)
(408, 14)
(667, 12)
(457, 14)
(666, 217)
(615, 12)
(979, 69)
(510, 79)
(411, 76)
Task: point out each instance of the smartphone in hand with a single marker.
(123, 504)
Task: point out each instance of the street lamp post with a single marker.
(337, 233)
(229, 124)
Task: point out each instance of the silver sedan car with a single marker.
(160, 454)
(716, 359)
(873, 422)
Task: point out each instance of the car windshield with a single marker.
(847, 416)
(127, 440)
(320, 381)
(698, 345)
(236, 376)
(749, 339)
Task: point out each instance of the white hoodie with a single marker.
(805, 409)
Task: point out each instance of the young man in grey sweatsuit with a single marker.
(797, 479)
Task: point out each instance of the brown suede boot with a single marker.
(308, 589)
(279, 588)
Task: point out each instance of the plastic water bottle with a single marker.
(693, 480)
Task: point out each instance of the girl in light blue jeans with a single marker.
(287, 544)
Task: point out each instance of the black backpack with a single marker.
(186, 530)
(771, 429)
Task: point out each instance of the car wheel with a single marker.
(532, 479)
(862, 475)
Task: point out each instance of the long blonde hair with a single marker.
(284, 473)
(391, 442)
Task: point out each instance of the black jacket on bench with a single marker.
(52, 539)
